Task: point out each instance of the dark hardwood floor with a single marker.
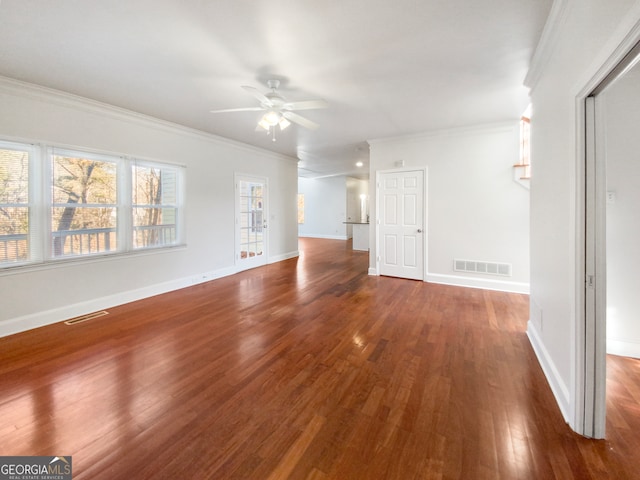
(305, 369)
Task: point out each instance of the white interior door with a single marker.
(401, 224)
(251, 222)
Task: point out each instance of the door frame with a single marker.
(263, 259)
(425, 216)
(589, 370)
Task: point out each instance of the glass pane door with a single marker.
(251, 220)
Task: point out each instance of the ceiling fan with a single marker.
(278, 112)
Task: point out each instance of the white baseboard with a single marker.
(328, 237)
(48, 317)
(460, 281)
(284, 256)
(473, 282)
(622, 348)
(219, 273)
(558, 387)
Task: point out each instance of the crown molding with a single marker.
(445, 132)
(547, 43)
(49, 95)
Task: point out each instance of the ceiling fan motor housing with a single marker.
(275, 99)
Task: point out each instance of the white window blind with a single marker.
(16, 226)
(155, 204)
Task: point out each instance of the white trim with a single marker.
(472, 282)
(40, 319)
(547, 43)
(57, 97)
(558, 387)
(469, 282)
(577, 327)
(626, 36)
(284, 256)
(465, 130)
(328, 237)
(623, 348)
(101, 257)
(621, 42)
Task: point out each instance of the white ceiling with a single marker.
(387, 68)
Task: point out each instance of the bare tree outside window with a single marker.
(154, 206)
(87, 203)
(84, 206)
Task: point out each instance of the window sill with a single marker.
(86, 260)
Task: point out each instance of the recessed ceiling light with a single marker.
(359, 164)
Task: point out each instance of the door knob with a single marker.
(419, 230)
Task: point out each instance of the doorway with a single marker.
(251, 221)
(612, 259)
(401, 227)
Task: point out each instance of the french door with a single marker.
(251, 221)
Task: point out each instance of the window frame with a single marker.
(41, 204)
(33, 199)
(49, 186)
(178, 205)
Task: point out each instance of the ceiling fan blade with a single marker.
(248, 109)
(295, 118)
(257, 94)
(305, 105)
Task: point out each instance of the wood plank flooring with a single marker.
(305, 369)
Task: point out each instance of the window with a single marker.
(155, 205)
(525, 147)
(15, 208)
(93, 204)
(301, 208)
(522, 169)
(84, 205)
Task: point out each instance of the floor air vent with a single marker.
(87, 317)
(490, 268)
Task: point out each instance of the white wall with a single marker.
(475, 209)
(585, 34)
(622, 123)
(33, 296)
(325, 204)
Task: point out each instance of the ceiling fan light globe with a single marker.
(264, 124)
(271, 117)
(284, 123)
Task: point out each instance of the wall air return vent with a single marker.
(489, 268)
